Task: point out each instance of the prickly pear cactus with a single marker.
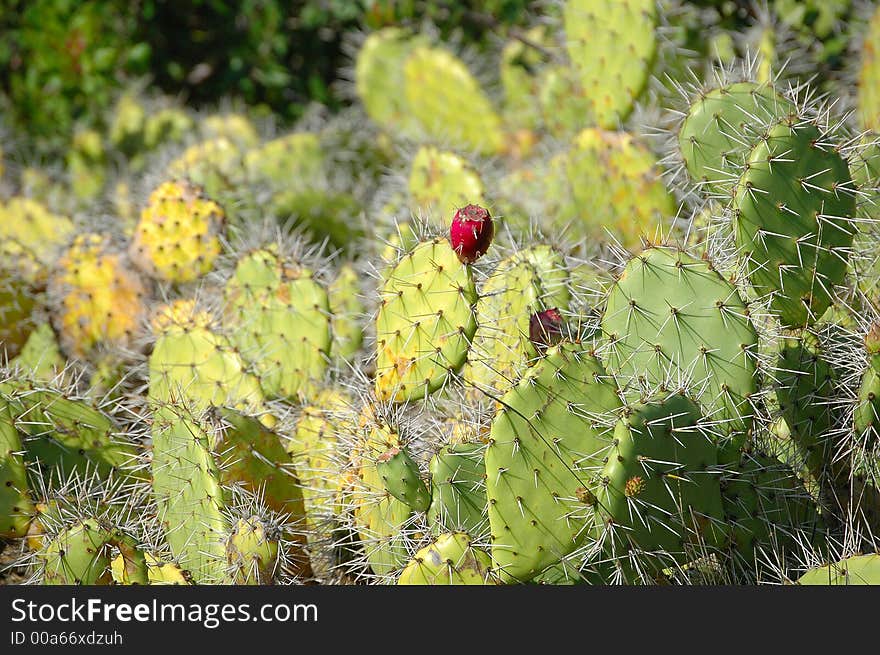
(794, 220)
(252, 552)
(769, 512)
(612, 46)
(402, 479)
(458, 489)
(855, 570)
(436, 83)
(659, 493)
(379, 78)
(609, 185)
(81, 555)
(178, 236)
(672, 319)
(721, 126)
(278, 317)
(189, 496)
(549, 434)
(451, 560)
(98, 299)
(869, 77)
(528, 281)
(442, 182)
(379, 518)
(191, 362)
(68, 435)
(425, 322)
(16, 507)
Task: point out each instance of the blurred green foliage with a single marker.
(62, 62)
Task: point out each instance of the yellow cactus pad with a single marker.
(99, 300)
(177, 238)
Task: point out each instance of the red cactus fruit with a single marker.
(471, 233)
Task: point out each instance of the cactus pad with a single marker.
(793, 221)
(672, 319)
(177, 238)
(278, 317)
(425, 322)
(544, 440)
(451, 560)
(612, 46)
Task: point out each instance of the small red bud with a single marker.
(546, 329)
(471, 233)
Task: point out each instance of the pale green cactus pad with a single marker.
(612, 46)
(546, 442)
(425, 323)
(189, 496)
(794, 221)
(528, 281)
(856, 570)
(379, 517)
(608, 186)
(80, 555)
(458, 489)
(278, 317)
(451, 560)
(190, 362)
(448, 102)
(379, 78)
(441, 182)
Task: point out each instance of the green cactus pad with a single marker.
(294, 160)
(278, 317)
(768, 510)
(805, 388)
(189, 496)
(609, 185)
(251, 455)
(612, 46)
(720, 128)
(401, 478)
(425, 322)
(565, 107)
(529, 281)
(252, 551)
(856, 570)
(448, 102)
(379, 78)
(346, 309)
(869, 77)
(379, 517)
(440, 183)
(672, 318)
(544, 441)
(660, 493)
(67, 435)
(793, 221)
(19, 297)
(33, 227)
(193, 363)
(81, 555)
(458, 489)
(866, 417)
(451, 560)
(16, 507)
(41, 356)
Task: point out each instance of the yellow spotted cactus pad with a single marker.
(178, 236)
